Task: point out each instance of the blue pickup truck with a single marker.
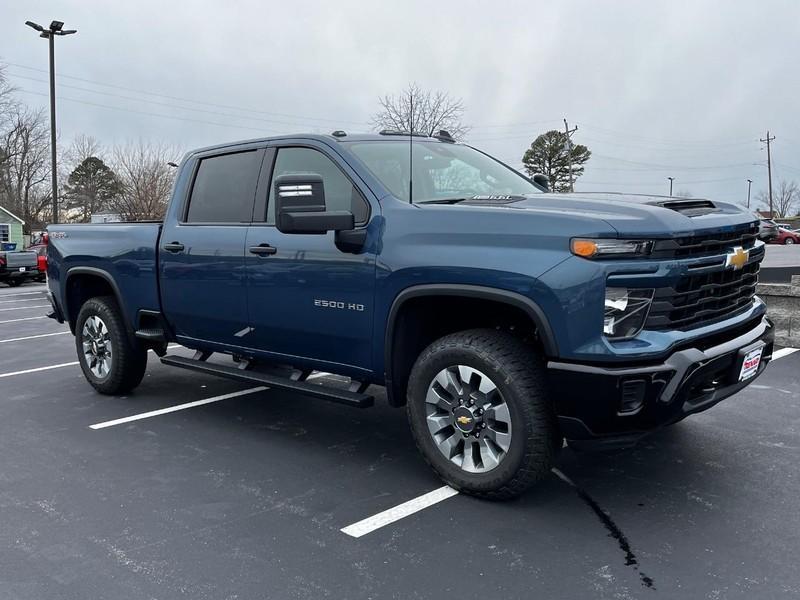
(504, 318)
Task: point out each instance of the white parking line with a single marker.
(25, 307)
(783, 352)
(42, 291)
(24, 319)
(37, 369)
(20, 300)
(169, 409)
(400, 511)
(33, 337)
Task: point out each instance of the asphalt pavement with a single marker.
(246, 495)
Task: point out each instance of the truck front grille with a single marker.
(707, 245)
(703, 298)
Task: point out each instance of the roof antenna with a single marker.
(411, 149)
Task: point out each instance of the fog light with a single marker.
(632, 397)
(625, 311)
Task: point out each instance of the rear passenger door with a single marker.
(202, 251)
(310, 299)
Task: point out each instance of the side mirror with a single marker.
(542, 180)
(300, 206)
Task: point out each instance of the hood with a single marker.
(634, 215)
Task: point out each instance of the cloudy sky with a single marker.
(657, 89)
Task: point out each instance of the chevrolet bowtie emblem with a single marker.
(464, 420)
(737, 259)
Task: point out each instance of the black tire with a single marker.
(788, 240)
(129, 357)
(14, 282)
(519, 376)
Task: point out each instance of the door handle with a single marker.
(263, 250)
(173, 247)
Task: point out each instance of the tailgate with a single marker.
(14, 260)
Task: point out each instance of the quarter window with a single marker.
(225, 188)
(340, 193)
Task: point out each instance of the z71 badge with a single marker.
(339, 305)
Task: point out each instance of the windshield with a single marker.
(441, 171)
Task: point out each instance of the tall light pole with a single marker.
(671, 179)
(749, 183)
(56, 28)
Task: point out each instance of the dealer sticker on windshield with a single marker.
(750, 363)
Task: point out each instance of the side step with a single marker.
(350, 398)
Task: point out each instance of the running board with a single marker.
(341, 396)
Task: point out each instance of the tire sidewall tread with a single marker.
(128, 358)
(519, 375)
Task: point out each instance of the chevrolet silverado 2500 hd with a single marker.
(504, 318)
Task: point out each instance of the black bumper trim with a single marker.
(587, 397)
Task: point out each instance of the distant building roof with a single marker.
(12, 215)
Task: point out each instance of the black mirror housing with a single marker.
(300, 206)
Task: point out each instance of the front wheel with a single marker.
(788, 240)
(111, 359)
(480, 413)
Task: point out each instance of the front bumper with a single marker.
(615, 406)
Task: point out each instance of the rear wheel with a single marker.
(788, 240)
(14, 282)
(111, 360)
(480, 413)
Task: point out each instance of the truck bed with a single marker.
(124, 254)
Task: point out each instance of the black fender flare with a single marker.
(106, 276)
(528, 306)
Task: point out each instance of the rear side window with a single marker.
(225, 188)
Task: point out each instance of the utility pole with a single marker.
(671, 179)
(569, 133)
(56, 28)
(749, 183)
(769, 171)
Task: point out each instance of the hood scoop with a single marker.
(690, 208)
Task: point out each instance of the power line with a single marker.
(190, 100)
(140, 112)
(156, 102)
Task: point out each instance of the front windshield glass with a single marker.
(441, 171)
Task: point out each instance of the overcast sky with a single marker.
(657, 89)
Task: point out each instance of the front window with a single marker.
(441, 171)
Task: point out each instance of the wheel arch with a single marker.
(83, 283)
(397, 363)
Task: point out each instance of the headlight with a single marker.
(589, 248)
(625, 311)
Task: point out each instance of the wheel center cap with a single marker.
(464, 419)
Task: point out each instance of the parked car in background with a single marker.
(767, 230)
(18, 267)
(41, 253)
(785, 236)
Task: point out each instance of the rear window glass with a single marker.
(224, 188)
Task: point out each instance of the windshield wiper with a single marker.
(496, 198)
(444, 201)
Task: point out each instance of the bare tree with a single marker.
(785, 197)
(429, 112)
(25, 167)
(146, 180)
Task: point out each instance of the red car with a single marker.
(785, 236)
(41, 253)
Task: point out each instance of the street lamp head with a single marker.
(35, 26)
(56, 26)
(66, 32)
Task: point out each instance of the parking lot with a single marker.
(246, 496)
